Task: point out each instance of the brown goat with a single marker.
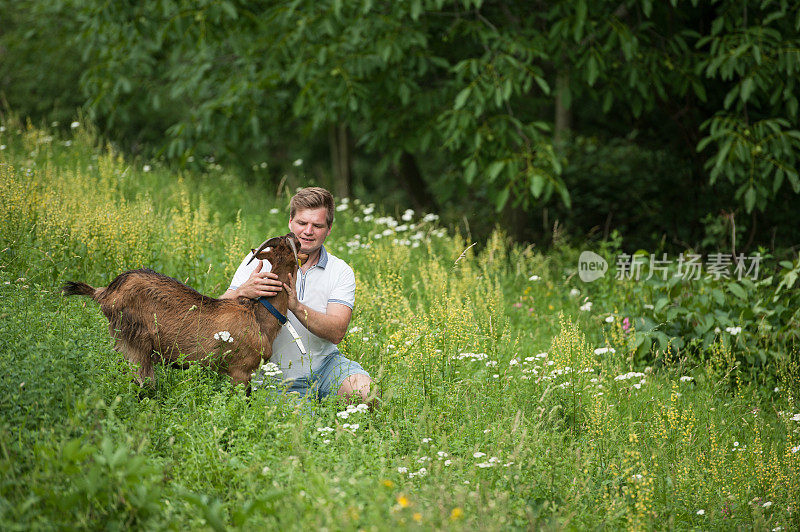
(154, 318)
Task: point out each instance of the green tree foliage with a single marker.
(39, 76)
(456, 97)
(726, 69)
(407, 77)
(755, 49)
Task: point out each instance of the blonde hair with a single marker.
(312, 198)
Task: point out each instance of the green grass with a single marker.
(506, 439)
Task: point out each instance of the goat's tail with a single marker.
(72, 288)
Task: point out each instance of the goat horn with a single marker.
(259, 250)
(294, 249)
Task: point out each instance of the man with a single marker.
(321, 303)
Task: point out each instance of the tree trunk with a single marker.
(563, 104)
(341, 159)
(409, 176)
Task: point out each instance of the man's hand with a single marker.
(294, 303)
(259, 284)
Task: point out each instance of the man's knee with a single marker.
(357, 386)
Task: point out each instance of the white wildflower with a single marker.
(733, 330)
(701, 512)
(298, 162)
(686, 378)
(586, 307)
(610, 319)
(630, 375)
(604, 350)
(478, 454)
(225, 336)
(75, 125)
(574, 292)
(534, 278)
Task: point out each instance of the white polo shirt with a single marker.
(330, 280)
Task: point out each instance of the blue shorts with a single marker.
(327, 379)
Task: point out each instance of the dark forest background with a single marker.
(673, 123)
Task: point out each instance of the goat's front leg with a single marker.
(143, 362)
(239, 376)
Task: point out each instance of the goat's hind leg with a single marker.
(140, 357)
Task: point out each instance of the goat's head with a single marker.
(281, 251)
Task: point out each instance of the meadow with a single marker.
(512, 394)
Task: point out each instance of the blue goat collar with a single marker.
(272, 310)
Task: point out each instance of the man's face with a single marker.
(311, 228)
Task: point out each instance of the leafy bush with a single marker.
(756, 312)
